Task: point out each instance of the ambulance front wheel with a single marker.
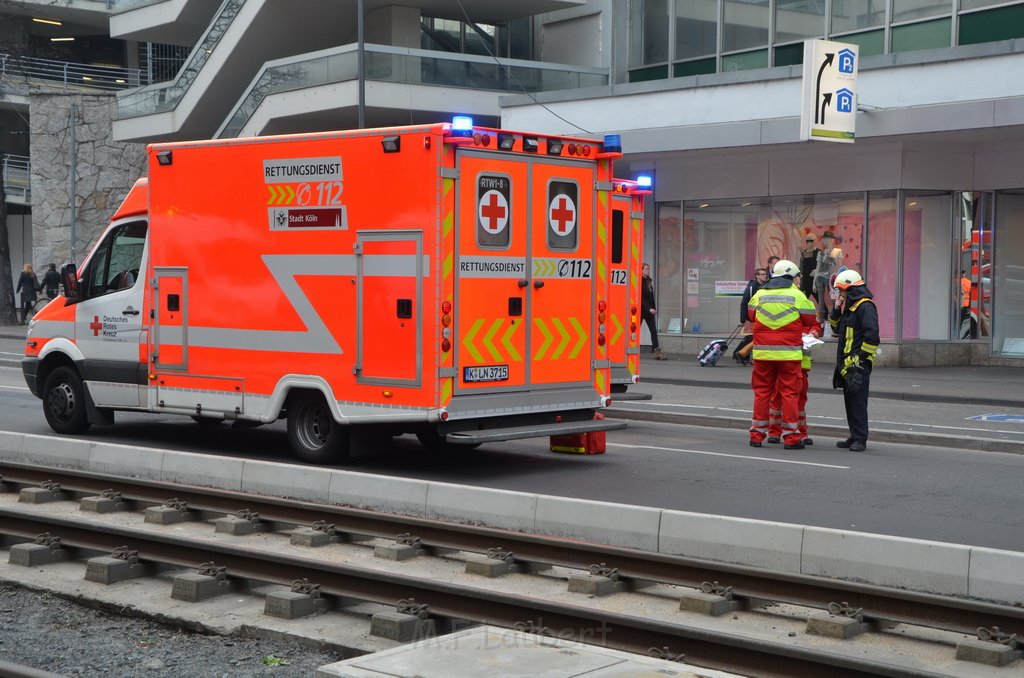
(313, 434)
(64, 401)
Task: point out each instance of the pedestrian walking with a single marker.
(28, 285)
(648, 309)
(781, 315)
(51, 282)
(854, 322)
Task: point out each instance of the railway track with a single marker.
(639, 601)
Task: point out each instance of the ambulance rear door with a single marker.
(623, 290)
(524, 272)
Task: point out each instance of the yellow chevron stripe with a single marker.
(582, 338)
(447, 265)
(618, 328)
(489, 340)
(600, 382)
(539, 355)
(557, 322)
(602, 271)
(446, 391)
(506, 341)
(467, 341)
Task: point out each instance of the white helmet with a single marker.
(785, 267)
(848, 278)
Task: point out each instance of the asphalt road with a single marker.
(933, 493)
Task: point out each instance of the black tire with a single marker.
(435, 442)
(64, 401)
(207, 422)
(313, 434)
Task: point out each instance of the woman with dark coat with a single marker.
(28, 285)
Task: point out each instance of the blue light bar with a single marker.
(461, 123)
(644, 181)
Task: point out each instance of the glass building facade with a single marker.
(933, 259)
(693, 37)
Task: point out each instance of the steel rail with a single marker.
(880, 604)
(713, 649)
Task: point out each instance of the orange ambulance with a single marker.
(445, 280)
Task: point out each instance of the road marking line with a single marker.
(722, 454)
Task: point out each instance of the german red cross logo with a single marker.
(493, 212)
(562, 214)
(95, 326)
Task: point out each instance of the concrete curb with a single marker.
(930, 567)
(828, 431)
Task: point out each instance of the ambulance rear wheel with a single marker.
(64, 401)
(313, 434)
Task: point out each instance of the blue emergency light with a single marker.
(612, 143)
(644, 181)
(462, 124)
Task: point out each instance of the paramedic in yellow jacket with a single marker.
(775, 408)
(781, 315)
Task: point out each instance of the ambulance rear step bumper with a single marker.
(533, 431)
(616, 397)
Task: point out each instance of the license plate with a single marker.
(485, 373)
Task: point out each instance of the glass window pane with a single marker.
(851, 15)
(697, 67)
(927, 35)
(746, 24)
(652, 73)
(668, 271)
(789, 55)
(975, 4)
(905, 10)
(799, 19)
(1008, 311)
(975, 237)
(745, 61)
(883, 249)
(648, 35)
(928, 280)
(871, 42)
(696, 28)
(1005, 23)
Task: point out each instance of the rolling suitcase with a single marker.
(710, 354)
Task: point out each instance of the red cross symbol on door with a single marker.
(562, 214)
(95, 326)
(493, 211)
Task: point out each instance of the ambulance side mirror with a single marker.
(69, 279)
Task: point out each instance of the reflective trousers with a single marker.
(857, 409)
(775, 410)
(786, 377)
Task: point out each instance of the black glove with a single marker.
(854, 380)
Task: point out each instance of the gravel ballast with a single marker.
(46, 632)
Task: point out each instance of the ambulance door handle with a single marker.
(523, 282)
(130, 311)
(537, 284)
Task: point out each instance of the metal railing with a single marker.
(33, 74)
(16, 178)
(165, 96)
(409, 66)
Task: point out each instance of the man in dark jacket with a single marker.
(51, 282)
(760, 278)
(854, 322)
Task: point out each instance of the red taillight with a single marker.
(446, 307)
(446, 345)
(602, 305)
(632, 327)
(485, 139)
(586, 151)
(632, 310)
(600, 340)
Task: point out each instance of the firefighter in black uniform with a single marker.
(854, 322)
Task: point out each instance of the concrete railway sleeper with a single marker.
(745, 588)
